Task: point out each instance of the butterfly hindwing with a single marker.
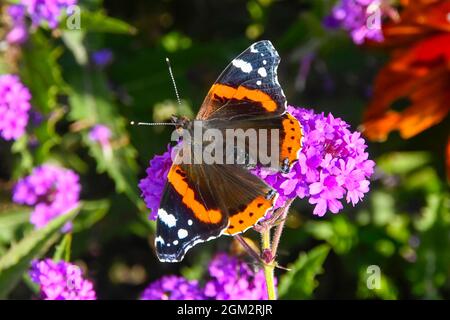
(200, 202)
(248, 87)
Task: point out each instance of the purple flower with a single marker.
(19, 32)
(173, 288)
(46, 12)
(361, 18)
(102, 58)
(52, 191)
(101, 134)
(232, 279)
(14, 106)
(153, 184)
(61, 281)
(332, 164)
(229, 279)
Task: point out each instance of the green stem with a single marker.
(268, 267)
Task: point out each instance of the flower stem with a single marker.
(268, 266)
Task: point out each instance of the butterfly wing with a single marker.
(202, 202)
(248, 87)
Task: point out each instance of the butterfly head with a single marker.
(181, 122)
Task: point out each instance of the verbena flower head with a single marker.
(101, 134)
(61, 281)
(153, 184)
(229, 279)
(102, 58)
(14, 106)
(232, 279)
(361, 18)
(46, 12)
(333, 165)
(173, 288)
(19, 32)
(51, 190)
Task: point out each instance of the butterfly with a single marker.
(201, 202)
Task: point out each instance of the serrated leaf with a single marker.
(41, 72)
(92, 103)
(300, 282)
(17, 259)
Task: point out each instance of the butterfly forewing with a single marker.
(248, 87)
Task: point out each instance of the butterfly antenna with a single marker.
(152, 123)
(173, 81)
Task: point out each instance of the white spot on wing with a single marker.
(262, 72)
(175, 242)
(243, 65)
(264, 62)
(159, 239)
(253, 49)
(182, 233)
(190, 222)
(258, 82)
(168, 219)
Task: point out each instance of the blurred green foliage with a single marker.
(403, 226)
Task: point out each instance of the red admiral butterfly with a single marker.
(200, 202)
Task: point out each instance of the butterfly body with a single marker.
(202, 200)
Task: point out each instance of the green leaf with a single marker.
(90, 214)
(338, 232)
(17, 260)
(300, 282)
(10, 221)
(92, 103)
(41, 72)
(98, 21)
(63, 249)
(403, 162)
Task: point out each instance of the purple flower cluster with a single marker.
(41, 12)
(361, 18)
(19, 32)
(332, 165)
(153, 184)
(232, 279)
(61, 281)
(52, 191)
(14, 107)
(229, 279)
(173, 288)
(101, 134)
(46, 12)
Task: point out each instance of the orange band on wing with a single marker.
(242, 93)
(248, 217)
(292, 139)
(176, 178)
